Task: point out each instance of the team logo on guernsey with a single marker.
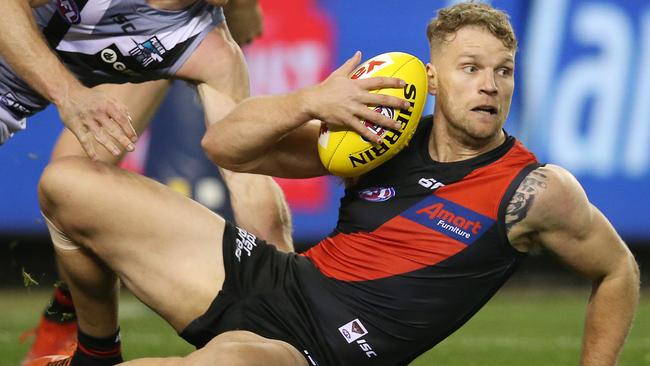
(450, 219)
(377, 194)
(69, 11)
(376, 129)
(353, 330)
(148, 51)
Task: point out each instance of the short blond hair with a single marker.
(450, 19)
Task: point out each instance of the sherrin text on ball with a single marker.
(346, 153)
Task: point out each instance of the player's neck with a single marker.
(447, 144)
(171, 4)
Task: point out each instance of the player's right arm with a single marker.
(550, 208)
(89, 114)
(277, 135)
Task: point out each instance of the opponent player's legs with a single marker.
(257, 201)
(165, 247)
(56, 331)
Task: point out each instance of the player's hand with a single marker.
(244, 18)
(92, 115)
(342, 101)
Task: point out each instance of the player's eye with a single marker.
(504, 71)
(470, 69)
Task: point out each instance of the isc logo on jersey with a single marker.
(343, 152)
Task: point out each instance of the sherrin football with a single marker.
(344, 152)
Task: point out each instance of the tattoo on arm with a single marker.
(524, 197)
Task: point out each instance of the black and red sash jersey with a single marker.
(420, 246)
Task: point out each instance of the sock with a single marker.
(93, 351)
(60, 309)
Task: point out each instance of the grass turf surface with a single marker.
(519, 326)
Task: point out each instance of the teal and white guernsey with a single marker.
(107, 41)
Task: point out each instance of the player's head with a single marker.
(471, 71)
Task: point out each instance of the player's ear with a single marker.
(432, 79)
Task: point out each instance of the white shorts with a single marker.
(9, 125)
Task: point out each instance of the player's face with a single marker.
(474, 82)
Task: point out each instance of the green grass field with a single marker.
(520, 326)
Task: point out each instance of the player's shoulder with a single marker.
(548, 198)
(560, 185)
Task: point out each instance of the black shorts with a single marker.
(284, 296)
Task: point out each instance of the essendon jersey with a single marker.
(420, 245)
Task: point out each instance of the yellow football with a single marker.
(344, 152)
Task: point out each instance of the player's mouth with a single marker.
(485, 109)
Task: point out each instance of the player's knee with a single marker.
(61, 178)
(53, 182)
(231, 353)
(243, 348)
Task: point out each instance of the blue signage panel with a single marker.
(585, 98)
(582, 101)
(22, 159)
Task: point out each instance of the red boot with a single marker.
(56, 334)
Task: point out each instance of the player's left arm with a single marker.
(554, 211)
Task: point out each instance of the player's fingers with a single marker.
(386, 101)
(116, 132)
(85, 140)
(349, 65)
(381, 82)
(101, 137)
(372, 116)
(358, 125)
(123, 119)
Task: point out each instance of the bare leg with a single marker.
(56, 332)
(259, 207)
(162, 245)
(142, 101)
(257, 201)
(235, 348)
(139, 229)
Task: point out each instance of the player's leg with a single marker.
(235, 348)
(164, 247)
(142, 101)
(220, 64)
(56, 332)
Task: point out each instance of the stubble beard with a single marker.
(460, 128)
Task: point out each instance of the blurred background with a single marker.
(582, 101)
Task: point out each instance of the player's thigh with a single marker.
(142, 101)
(165, 247)
(235, 348)
(242, 348)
